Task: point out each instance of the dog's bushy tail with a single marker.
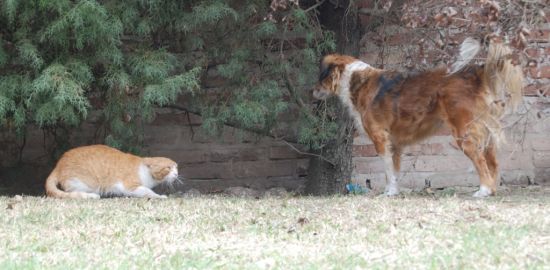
(503, 79)
(468, 50)
(505, 82)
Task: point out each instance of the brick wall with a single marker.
(237, 158)
(524, 159)
(210, 164)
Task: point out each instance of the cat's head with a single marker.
(162, 169)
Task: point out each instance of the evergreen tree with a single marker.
(58, 57)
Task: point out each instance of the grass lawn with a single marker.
(447, 230)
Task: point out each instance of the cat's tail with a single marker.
(52, 190)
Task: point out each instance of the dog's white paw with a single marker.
(483, 192)
(391, 190)
(91, 196)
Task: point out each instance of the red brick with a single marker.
(219, 185)
(302, 166)
(161, 136)
(541, 104)
(207, 171)
(542, 175)
(181, 156)
(536, 89)
(235, 154)
(534, 52)
(364, 151)
(541, 143)
(366, 165)
(540, 126)
(365, 4)
(364, 18)
(443, 131)
(399, 39)
(439, 164)
(369, 57)
(540, 35)
(413, 150)
(283, 152)
(289, 183)
(540, 72)
(515, 160)
(247, 169)
(432, 149)
(516, 177)
(362, 140)
(426, 149)
(228, 136)
(413, 180)
(176, 118)
(541, 159)
(537, 52)
(446, 179)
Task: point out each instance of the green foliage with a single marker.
(167, 91)
(58, 94)
(132, 56)
(316, 129)
(258, 108)
(210, 13)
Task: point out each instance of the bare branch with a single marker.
(258, 131)
(307, 153)
(315, 6)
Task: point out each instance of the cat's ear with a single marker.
(147, 162)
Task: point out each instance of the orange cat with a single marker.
(91, 171)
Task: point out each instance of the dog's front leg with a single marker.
(392, 188)
(391, 162)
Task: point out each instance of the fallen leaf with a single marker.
(303, 221)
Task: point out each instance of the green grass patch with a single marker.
(510, 231)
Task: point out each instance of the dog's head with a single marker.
(332, 68)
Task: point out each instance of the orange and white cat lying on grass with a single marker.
(95, 170)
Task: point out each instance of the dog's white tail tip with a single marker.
(468, 50)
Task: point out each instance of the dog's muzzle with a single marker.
(320, 94)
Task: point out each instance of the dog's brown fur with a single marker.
(399, 109)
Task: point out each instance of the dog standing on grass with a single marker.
(399, 109)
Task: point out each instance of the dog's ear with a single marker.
(326, 69)
(335, 78)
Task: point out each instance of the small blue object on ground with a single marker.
(356, 189)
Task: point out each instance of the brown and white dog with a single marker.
(399, 109)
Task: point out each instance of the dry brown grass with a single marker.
(412, 231)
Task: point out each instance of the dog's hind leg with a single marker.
(470, 139)
(491, 158)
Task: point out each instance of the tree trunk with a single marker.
(323, 177)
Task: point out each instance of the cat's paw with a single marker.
(163, 197)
